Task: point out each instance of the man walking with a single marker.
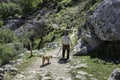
(66, 44)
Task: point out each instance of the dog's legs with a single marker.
(48, 61)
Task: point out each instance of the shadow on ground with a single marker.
(45, 64)
(63, 61)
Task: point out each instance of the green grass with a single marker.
(96, 67)
(27, 63)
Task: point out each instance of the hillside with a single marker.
(93, 26)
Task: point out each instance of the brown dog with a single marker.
(46, 58)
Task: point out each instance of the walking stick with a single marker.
(59, 51)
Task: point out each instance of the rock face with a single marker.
(115, 75)
(105, 20)
(88, 41)
(101, 25)
(13, 23)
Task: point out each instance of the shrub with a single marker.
(29, 6)
(9, 9)
(5, 52)
(7, 36)
(1, 23)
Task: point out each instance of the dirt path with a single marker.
(55, 71)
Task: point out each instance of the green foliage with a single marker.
(48, 38)
(7, 36)
(1, 23)
(29, 6)
(64, 2)
(36, 43)
(9, 9)
(18, 7)
(5, 52)
(24, 39)
(9, 45)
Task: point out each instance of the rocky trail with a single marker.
(56, 70)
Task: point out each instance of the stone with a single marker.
(92, 78)
(80, 66)
(1, 70)
(82, 73)
(79, 77)
(1, 78)
(13, 24)
(87, 42)
(46, 78)
(20, 55)
(19, 61)
(115, 75)
(52, 45)
(7, 67)
(105, 20)
(12, 62)
(1, 75)
(12, 69)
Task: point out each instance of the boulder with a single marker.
(101, 25)
(115, 75)
(21, 55)
(1, 78)
(105, 20)
(7, 67)
(13, 24)
(1, 75)
(12, 62)
(88, 41)
(82, 73)
(12, 69)
(1, 70)
(79, 77)
(52, 45)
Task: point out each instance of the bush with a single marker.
(5, 52)
(1, 23)
(7, 36)
(49, 37)
(9, 9)
(29, 6)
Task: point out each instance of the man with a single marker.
(66, 44)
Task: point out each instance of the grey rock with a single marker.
(115, 75)
(12, 69)
(80, 66)
(79, 77)
(13, 24)
(46, 78)
(62, 78)
(21, 55)
(87, 42)
(92, 78)
(1, 78)
(105, 20)
(82, 73)
(1, 75)
(7, 67)
(12, 62)
(52, 45)
(1, 70)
